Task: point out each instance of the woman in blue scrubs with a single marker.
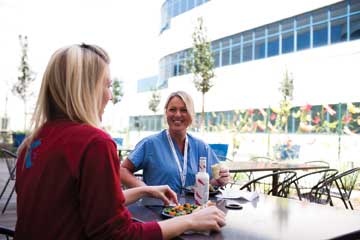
(171, 156)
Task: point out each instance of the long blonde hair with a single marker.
(71, 87)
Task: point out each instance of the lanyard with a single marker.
(183, 170)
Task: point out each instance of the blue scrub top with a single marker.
(154, 156)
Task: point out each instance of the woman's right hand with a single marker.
(206, 219)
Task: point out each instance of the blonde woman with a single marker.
(172, 156)
(68, 184)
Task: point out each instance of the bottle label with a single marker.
(201, 193)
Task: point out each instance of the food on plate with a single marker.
(180, 210)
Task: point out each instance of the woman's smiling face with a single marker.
(177, 115)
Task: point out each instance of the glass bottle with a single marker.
(201, 193)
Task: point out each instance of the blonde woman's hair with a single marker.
(187, 99)
(71, 87)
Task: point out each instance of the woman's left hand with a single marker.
(164, 193)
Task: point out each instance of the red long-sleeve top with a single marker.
(68, 187)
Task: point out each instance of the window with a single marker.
(225, 56)
(354, 6)
(287, 42)
(260, 33)
(191, 4)
(260, 49)
(338, 10)
(247, 46)
(320, 16)
(273, 29)
(236, 49)
(273, 46)
(355, 27)
(216, 56)
(320, 35)
(303, 38)
(287, 25)
(247, 51)
(235, 54)
(225, 53)
(302, 21)
(338, 30)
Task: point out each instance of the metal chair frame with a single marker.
(316, 187)
(12, 170)
(279, 188)
(344, 190)
(8, 232)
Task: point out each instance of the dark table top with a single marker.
(252, 166)
(269, 217)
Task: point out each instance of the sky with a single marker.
(128, 30)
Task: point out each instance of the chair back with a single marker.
(7, 232)
(278, 188)
(345, 183)
(10, 159)
(220, 150)
(313, 185)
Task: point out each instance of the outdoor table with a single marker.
(253, 166)
(268, 217)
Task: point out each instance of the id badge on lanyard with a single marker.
(182, 170)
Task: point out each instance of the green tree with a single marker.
(154, 101)
(201, 63)
(286, 89)
(117, 90)
(26, 76)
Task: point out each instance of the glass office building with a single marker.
(253, 46)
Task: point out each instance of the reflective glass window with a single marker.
(191, 4)
(225, 56)
(273, 29)
(273, 46)
(183, 6)
(247, 52)
(247, 36)
(338, 30)
(236, 39)
(235, 54)
(320, 15)
(303, 20)
(303, 38)
(176, 8)
(260, 49)
(338, 10)
(260, 33)
(354, 6)
(216, 56)
(355, 27)
(287, 25)
(287, 42)
(320, 35)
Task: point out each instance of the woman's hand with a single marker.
(223, 179)
(162, 192)
(206, 219)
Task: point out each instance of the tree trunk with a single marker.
(202, 123)
(24, 115)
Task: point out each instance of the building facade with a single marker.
(254, 43)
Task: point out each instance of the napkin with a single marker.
(237, 194)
